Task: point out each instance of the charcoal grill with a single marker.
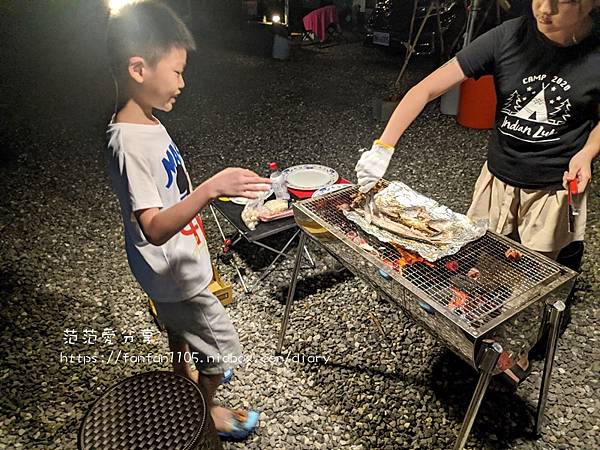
(489, 321)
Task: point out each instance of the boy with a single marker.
(147, 46)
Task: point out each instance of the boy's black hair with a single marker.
(149, 29)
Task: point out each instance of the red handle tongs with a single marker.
(573, 209)
(573, 191)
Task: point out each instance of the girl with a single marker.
(546, 70)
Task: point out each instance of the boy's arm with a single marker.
(580, 166)
(160, 225)
(437, 83)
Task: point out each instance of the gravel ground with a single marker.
(63, 265)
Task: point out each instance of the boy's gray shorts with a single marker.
(205, 325)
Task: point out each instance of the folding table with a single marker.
(232, 213)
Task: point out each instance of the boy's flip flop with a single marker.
(242, 425)
(227, 376)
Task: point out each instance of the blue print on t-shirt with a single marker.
(174, 164)
(171, 162)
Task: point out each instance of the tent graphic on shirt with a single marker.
(536, 109)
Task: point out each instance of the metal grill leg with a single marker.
(555, 316)
(488, 357)
(291, 291)
(310, 260)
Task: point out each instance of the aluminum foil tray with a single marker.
(456, 229)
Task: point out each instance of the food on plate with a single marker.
(473, 274)
(512, 254)
(250, 217)
(276, 206)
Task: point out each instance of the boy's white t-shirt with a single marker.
(147, 171)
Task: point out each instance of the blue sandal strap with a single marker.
(241, 430)
(227, 376)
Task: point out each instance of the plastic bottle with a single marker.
(278, 183)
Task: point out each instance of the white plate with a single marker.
(245, 201)
(330, 189)
(309, 177)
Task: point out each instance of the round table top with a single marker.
(153, 410)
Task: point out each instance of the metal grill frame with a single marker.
(554, 278)
(507, 334)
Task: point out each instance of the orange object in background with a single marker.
(477, 103)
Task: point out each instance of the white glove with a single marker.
(372, 165)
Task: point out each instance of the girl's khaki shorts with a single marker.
(538, 218)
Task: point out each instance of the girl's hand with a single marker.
(372, 165)
(580, 169)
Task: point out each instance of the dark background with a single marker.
(63, 263)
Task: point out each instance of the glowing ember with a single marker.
(408, 258)
(459, 299)
(452, 266)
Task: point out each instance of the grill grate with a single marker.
(469, 302)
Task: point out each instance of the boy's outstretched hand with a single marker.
(237, 182)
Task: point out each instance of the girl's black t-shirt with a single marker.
(548, 100)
